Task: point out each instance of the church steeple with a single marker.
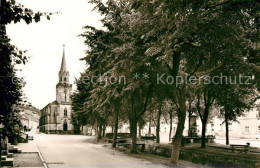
(63, 88)
(63, 73)
(63, 66)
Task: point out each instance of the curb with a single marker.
(43, 161)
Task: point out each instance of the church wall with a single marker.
(61, 111)
(59, 91)
(51, 127)
(53, 117)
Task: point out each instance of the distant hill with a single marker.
(29, 112)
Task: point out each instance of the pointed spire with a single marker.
(63, 66)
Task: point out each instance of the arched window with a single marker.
(65, 112)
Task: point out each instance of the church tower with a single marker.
(63, 88)
(56, 116)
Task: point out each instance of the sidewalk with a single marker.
(31, 146)
(30, 156)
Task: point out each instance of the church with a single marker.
(55, 117)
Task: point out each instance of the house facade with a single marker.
(246, 127)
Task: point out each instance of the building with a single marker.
(56, 116)
(246, 127)
(29, 116)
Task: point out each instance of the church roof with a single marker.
(63, 66)
(54, 102)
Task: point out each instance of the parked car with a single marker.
(30, 137)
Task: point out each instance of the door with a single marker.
(65, 126)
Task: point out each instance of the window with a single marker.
(65, 112)
(246, 129)
(212, 126)
(258, 129)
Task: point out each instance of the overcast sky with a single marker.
(44, 41)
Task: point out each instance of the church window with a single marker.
(65, 112)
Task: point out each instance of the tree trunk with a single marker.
(100, 131)
(149, 130)
(227, 131)
(115, 130)
(203, 134)
(189, 112)
(134, 132)
(0, 150)
(130, 124)
(139, 131)
(104, 130)
(158, 123)
(82, 130)
(170, 133)
(204, 126)
(96, 129)
(133, 126)
(178, 135)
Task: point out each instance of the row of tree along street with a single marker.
(181, 39)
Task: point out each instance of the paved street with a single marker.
(61, 151)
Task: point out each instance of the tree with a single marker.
(207, 97)
(10, 84)
(81, 115)
(234, 100)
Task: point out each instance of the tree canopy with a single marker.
(185, 47)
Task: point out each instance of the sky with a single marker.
(43, 42)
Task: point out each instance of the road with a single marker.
(74, 151)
